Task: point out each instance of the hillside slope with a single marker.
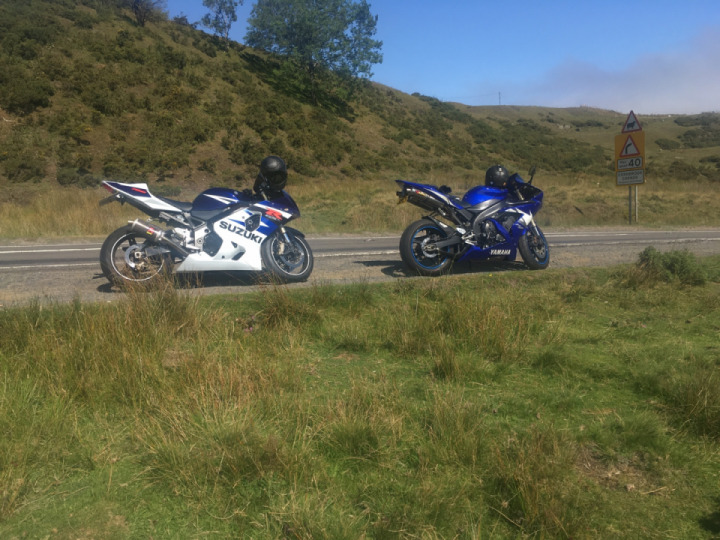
(86, 93)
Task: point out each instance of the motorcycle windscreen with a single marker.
(284, 203)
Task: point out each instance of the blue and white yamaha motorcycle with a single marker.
(222, 229)
(490, 221)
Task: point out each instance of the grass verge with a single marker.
(573, 403)
(330, 206)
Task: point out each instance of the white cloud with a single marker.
(683, 82)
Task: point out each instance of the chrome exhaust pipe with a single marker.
(156, 235)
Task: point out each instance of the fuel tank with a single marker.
(214, 200)
(481, 197)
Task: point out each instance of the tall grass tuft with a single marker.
(655, 267)
(694, 400)
(96, 354)
(536, 488)
(283, 309)
(461, 332)
(38, 431)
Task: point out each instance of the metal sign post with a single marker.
(630, 159)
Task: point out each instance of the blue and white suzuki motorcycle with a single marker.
(490, 221)
(221, 230)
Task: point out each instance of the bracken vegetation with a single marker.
(87, 92)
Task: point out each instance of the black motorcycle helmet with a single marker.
(272, 175)
(497, 176)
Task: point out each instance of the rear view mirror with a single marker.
(531, 173)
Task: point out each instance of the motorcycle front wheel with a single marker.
(287, 257)
(534, 249)
(127, 258)
(418, 251)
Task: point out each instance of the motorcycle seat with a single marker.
(184, 206)
(462, 204)
(207, 215)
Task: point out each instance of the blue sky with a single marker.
(653, 57)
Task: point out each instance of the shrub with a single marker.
(704, 137)
(587, 123)
(22, 92)
(169, 58)
(681, 170)
(68, 176)
(668, 144)
(22, 167)
(704, 119)
(243, 150)
(22, 156)
(674, 266)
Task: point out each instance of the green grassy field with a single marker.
(563, 404)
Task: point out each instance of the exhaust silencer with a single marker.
(423, 200)
(156, 235)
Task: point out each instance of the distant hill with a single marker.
(85, 92)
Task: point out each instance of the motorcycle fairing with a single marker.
(507, 247)
(240, 244)
(242, 232)
(139, 195)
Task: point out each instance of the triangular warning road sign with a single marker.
(629, 148)
(631, 124)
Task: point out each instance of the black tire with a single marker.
(534, 249)
(287, 262)
(417, 253)
(127, 258)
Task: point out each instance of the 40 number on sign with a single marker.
(630, 163)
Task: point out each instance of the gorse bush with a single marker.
(20, 91)
(705, 132)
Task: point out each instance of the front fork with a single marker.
(533, 227)
(287, 244)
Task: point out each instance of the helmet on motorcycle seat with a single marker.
(273, 172)
(497, 176)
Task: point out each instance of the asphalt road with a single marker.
(62, 271)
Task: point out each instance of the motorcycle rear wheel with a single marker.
(417, 252)
(534, 249)
(126, 258)
(287, 262)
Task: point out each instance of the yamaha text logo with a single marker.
(500, 252)
(241, 231)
